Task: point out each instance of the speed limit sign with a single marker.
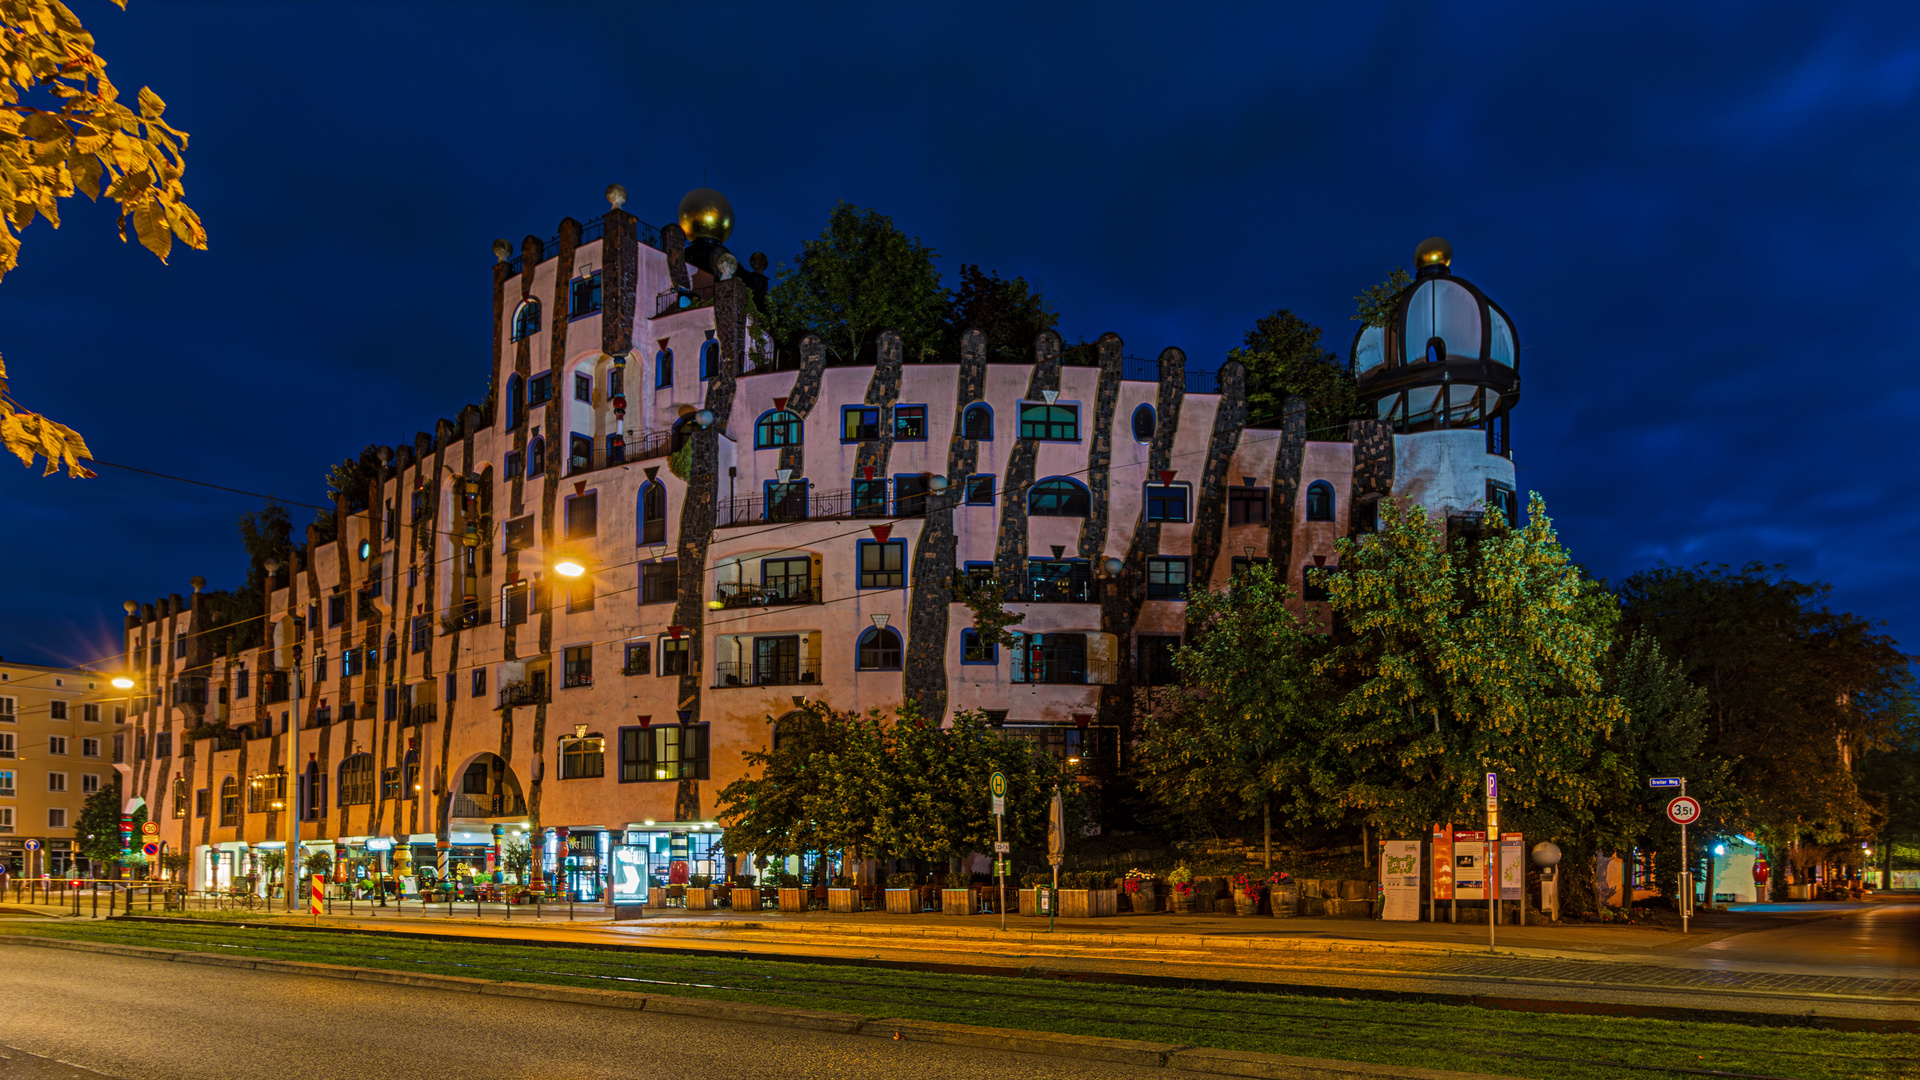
(1683, 810)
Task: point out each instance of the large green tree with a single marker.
(860, 277)
(1284, 357)
(98, 830)
(1008, 311)
(1375, 305)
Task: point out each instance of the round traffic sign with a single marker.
(33, 845)
(150, 828)
(1683, 810)
(999, 785)
(150, 849)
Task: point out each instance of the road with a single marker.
(1882, 940)
(153, 1020)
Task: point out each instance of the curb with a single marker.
(1048, 1044)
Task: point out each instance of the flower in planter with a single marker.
(1279, 877)
(1249, 884)
(1181, 878)
(1136, 879)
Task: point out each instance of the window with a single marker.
(1499, 497)
(390, 783)
(617, 379)
(1166, 578)
(788, 580)
(978, 574)
(1241, 563)
(526, 319)
(451, 689)
(786, 502)
(202, 802)
(663, 368)
(980, 490)
(1048, 658)
(879, 649)
(977, 421)
(6, 819)
(1156, 660)
(6, 744)
(540, 389)
(519, 533)
(673, 656)
(639, 659)
(350, 663)
(56, 710)
(776, 428)
(1059, 497)
(179, 791)
(7, 713)
(974, 651)
(583, 387)
(91, 747)
(266, 792)
(89, 783)
(1143, 423)
(583, 295)
(869, 498)
(336, 610)
(56, 781)
(516, 602)
(57, 745)
(579, 453)
(1319, 501)
(1166, 502)
(56, 818)
(616, 449)
(883, 565)
(668, 752)
(1246, 506)
(578, 670)
(536, 457)
(89, 714)
(583, 758)
(859, 423)
(709, 358)
(653, 512)
(1053, 422)
(660, 582)
(179, 651)
(910, 423)
(356, 781)
(516, 401)
(479, 682)
(1313, 583)
(579, 596)
(582, 515)
(1369, 513)
(419, 633)
(6, 783)
(910, 494)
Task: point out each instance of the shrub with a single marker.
(903, 880)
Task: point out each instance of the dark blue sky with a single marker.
(1700, 216)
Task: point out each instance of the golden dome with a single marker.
(1433, 251)
(706, 212)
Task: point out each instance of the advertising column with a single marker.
(1442, 870)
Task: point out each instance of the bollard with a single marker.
(96, 899)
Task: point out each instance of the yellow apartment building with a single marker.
(62, 734)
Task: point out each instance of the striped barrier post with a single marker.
(319, 894)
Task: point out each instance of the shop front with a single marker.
(675, 853)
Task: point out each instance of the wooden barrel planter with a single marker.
(903, 901)
(959, 901)
(1284, 901)
(700, 899)
(792, 900)
(1246, 903)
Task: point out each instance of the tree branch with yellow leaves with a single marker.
(75, 134)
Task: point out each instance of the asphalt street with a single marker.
(153, 1020)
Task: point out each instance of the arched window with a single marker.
(1319, 501)
(536, 456)
(356, 781)
(516, 401)
(653, 512)
(663, 368)
(879, 649)
(179, 796)
(313, 794)
(776, 428)
(1059, 497)
(683, 430)
(977, 421)
(709, 359)
(230, 801)
(526, 319)
(1436, 350)
(1143, 423)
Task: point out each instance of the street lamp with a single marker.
(569, 567)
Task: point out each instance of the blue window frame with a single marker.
(1166, 578)
(709, 359)
(540, 389)
(1143, 423)
(536, 456)
(977, 422)
(1049, 423)
(583, 295)
(516, 401)
(1059, 496)
(879, 650)
(973, 651)
(776, 427)
(513, 463)
(910, 423)
(1166, 502)
(910, 491)
(786, 502)
(869, 498)
(653, 513)
(1319, 501)
(883, 565)
(663, 368)
(859, 423)
(526, 319)
(980, 490)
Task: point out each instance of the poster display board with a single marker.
(1469, 865)
(1513, 867)
(1400, 876)
(629, 874)
(1443, 862)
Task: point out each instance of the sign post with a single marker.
(1682, 810)
(998, 788)
(1493, 855)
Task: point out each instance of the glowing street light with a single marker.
(569, 568)
(121, 682)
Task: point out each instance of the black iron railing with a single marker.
(1072, 585)
(677, 299)
(780, 671)
(773, 594)
(519, 694)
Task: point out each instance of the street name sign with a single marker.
(1665, 782)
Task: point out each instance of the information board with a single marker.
(1443, 862)
(1469, 865)
(1400, 878)
(1513, 868)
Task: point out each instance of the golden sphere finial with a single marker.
(1433, 251)
(705, 212)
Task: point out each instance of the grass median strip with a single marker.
(1430, 1036)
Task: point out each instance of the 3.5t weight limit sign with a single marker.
(1683, 810)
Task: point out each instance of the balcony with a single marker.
(781, 592)
(515, 695)
(791, 671)
(425, 713)
(674, 300)
(1057, 583)
(640, 446)
(274, 687)
(756, 510)
(1066, 670)
(508, 804)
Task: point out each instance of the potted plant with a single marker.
(1142, 891)
(1088, 894)
(700, 893)
(794, 897)
(843, 897)
(1186, 899)
(903, 894)
(957, 896)
(1283, 895)
(1248, 891)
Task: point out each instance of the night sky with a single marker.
(1699, 217)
